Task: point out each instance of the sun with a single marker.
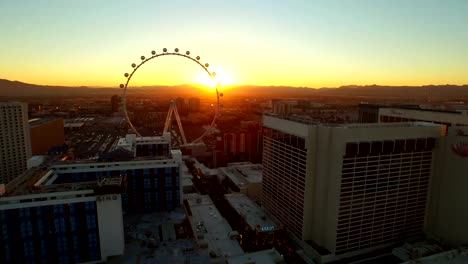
(222, 78)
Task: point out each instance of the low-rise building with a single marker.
(212, 233)
(243, 177)
(258, 231)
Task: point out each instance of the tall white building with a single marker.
(448, 210)
(15, 142)
(348, 189)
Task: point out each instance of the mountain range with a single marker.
(19, 89)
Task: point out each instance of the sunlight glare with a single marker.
(221, 77)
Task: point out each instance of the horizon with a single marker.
(203, 86)
(396, 43)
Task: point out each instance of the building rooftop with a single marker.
(251, 212)
(41, 180)
(123, 141)
(32, 183)
(74, 125)
(410, 107)
(115, 120)
(186, 176)
(211, 230)
(260, 257)
(205, 170)
(79, 119)
(151, 140)
(306, 121)
(415, 250)
(457, 256)
(453, 117)
(134, 162)
(243, 174)
(251, 171)
(40, 121)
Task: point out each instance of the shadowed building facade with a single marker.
(46, 134)
(15, 143)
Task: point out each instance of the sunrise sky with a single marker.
(298, 43)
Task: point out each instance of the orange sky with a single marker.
(294, 43)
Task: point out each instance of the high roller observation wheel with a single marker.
(166, 53)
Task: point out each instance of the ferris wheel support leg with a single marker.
(167, 124)
(179, 124)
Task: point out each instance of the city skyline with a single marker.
(304, 44)
(272, 132)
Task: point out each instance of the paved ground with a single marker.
(150, 240)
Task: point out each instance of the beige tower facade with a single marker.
(15, 144)
(348, 189)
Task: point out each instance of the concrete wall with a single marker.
(290, 127)
(110, 220)
(448, 209)
(310, 228)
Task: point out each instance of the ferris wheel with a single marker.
(172, 108)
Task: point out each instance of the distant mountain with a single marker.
(20, 89)
(407, 92)
(431, 91)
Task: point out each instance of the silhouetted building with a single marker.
(194, 104)
(348, 189)
(115, 103)
(282, 107)
(369, 113)
(46, 134)
(35, 107)
(240, 144)
(15, 142)
(181, 105)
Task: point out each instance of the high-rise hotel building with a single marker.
(42, 222)
(348, 189)
(15, 144)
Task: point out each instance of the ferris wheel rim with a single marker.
(154, 55)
